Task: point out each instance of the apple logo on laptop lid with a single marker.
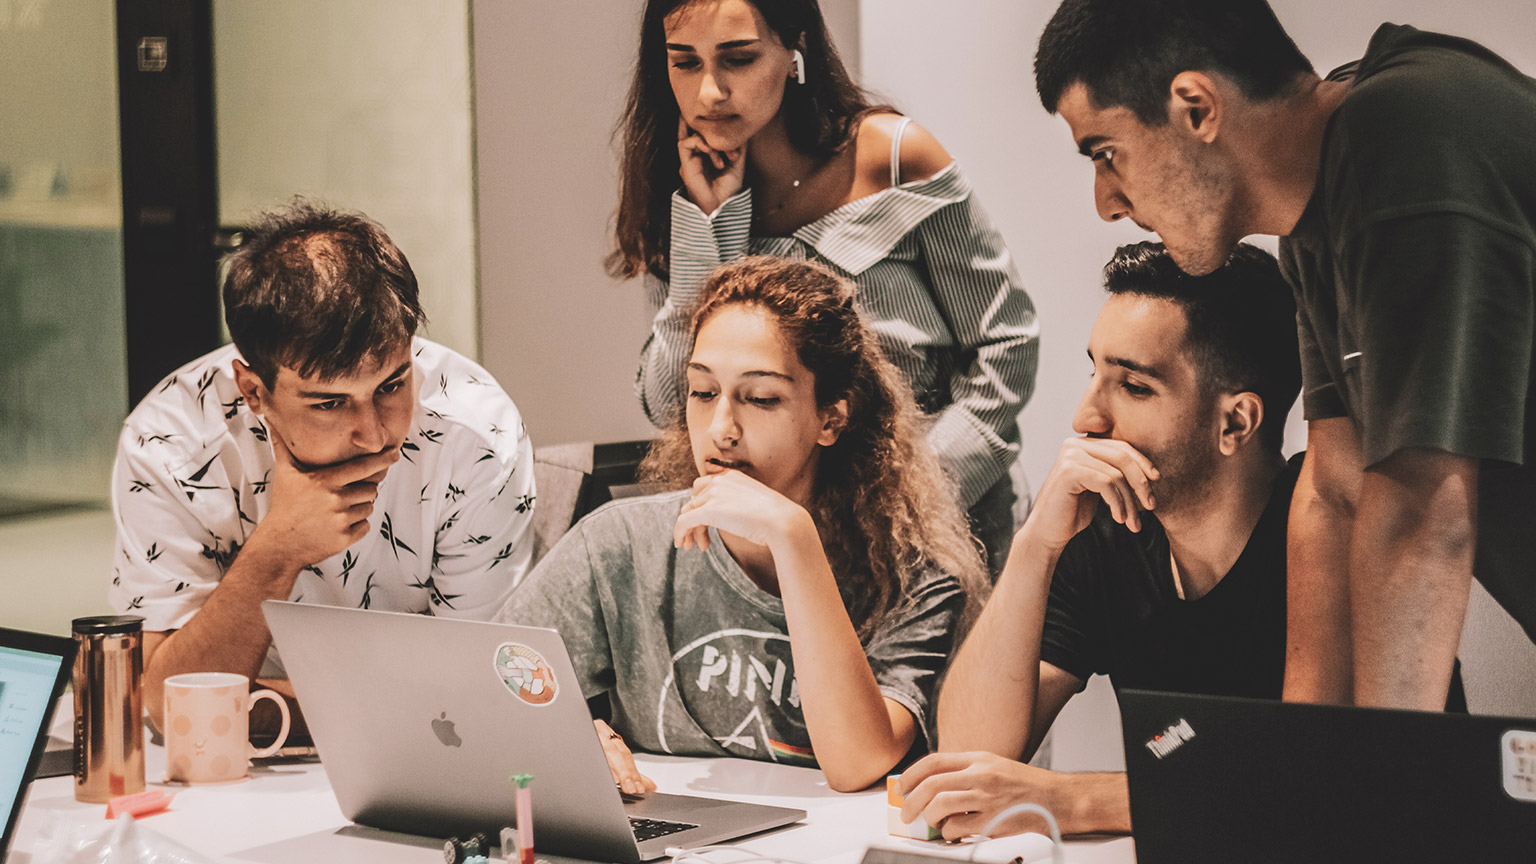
(443, 729)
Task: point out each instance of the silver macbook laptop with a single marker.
(421, 721)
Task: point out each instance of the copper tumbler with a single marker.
(109, 708)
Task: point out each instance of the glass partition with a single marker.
(63, 380)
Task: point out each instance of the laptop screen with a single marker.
(29, 684)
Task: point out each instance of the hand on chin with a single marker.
(732, 501)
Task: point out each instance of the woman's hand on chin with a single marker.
(710, 176)
(731, 501)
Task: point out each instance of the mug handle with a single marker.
(282, 735)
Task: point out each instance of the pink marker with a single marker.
(139, 804)
(524, 818)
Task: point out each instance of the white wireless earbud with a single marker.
(799, 66)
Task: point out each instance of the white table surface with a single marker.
(285, 813)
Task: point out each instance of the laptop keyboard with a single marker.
(650, 829)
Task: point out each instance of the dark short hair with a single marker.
(1127, 52)
(320, 291)
(1240, 322)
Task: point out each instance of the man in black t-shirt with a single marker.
(1155, 551)
(1404, 192)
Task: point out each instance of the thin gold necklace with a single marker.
(793, 186)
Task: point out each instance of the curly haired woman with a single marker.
(798, 595)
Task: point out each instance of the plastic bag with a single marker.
(123, 841)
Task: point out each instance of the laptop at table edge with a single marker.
(63, 648)
(1322, 747)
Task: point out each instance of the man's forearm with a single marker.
(1410, 573)
(1096, 803)
(228, 634)
(1317, 638)
(989, 694)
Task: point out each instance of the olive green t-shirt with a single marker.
(1413, 271)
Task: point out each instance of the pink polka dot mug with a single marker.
(208, 727)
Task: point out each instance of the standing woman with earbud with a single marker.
(745, 135)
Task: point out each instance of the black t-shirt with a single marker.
(1113, 609)
(1414, 267)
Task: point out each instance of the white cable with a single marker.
(1057, 850)
(716, 847)
(680, 855)
(752, 860)
(751, 856)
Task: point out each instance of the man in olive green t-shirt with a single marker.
(1405, 195)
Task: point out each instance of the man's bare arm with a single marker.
(990, 696)
(1057, 687)
(315, 514)
(1094, 803)
(990, 691)
(962, 792)
(1414, 541)
(228, 634)
(999, 698)
(1317, 644)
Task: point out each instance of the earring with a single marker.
(799, 66)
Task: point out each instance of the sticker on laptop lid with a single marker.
(1519, 749)
(526, 673)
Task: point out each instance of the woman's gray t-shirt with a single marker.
(695, 656)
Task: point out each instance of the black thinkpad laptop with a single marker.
(33, 669)
(1244, 780)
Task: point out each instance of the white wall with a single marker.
(964, 68)
(560, 335)
(365, 104)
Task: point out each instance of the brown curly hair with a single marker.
(883, 507)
